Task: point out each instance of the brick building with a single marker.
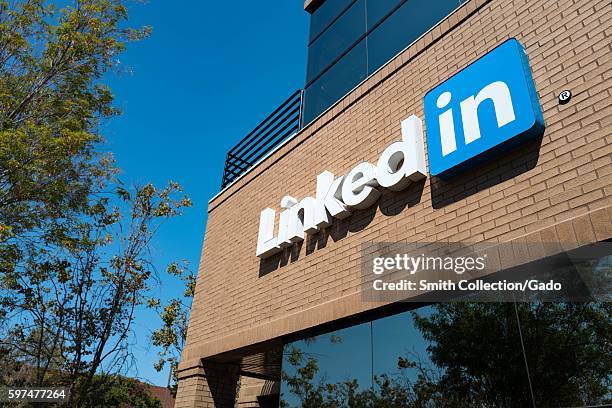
(553, 187)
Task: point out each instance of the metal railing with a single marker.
(277, 127)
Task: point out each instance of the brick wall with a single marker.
(208, 386)
(560, 185)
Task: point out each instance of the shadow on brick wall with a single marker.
(497, 169)
(222, 382)
(391, 203)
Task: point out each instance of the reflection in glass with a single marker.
(568, 347)
(403, 27)
(460, 355)
(377, 9)
(325, 14)
(398, 345)
(336, 39)
(335, 83)
(477, 354)
(333, 37)
(326, 368)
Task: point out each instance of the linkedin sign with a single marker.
(480, 111)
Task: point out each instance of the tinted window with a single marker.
(325, 14)
(377, 9)
(447, 347)
(396, 337)
(459, 354)
(336, 82)
(336, 39)
(313, 367)
(408, 23)
(580, 332)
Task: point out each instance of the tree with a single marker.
(118, 391)
(51, 104)
(77, 299)
(174, 314)
(74, 241)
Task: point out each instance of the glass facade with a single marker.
(461, 354)
(325, 14)
(339, 37)
(332, 85)
(351, 39)
(458, 354)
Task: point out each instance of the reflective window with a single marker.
(408, 20)
(396, 339)
(458, 354)
(403, 27)
(327, 367)
(568, 344)
(377, 9)
(335, 83)
(568, 352)
(325, 14)
(336, 39)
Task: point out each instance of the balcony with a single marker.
(274, 130)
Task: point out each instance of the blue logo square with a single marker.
(482, 110)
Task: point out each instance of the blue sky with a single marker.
(210, 72)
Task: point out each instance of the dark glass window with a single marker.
(335, 82)
(404, 26)
(310, 365)
(457, 354)
(460, 354)
(545, 353)
(377, 9)
(336, 39)
(325, 14)
(458, 350)
(396, 337)
(335, 27)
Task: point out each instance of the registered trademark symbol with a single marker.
(565, 96)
